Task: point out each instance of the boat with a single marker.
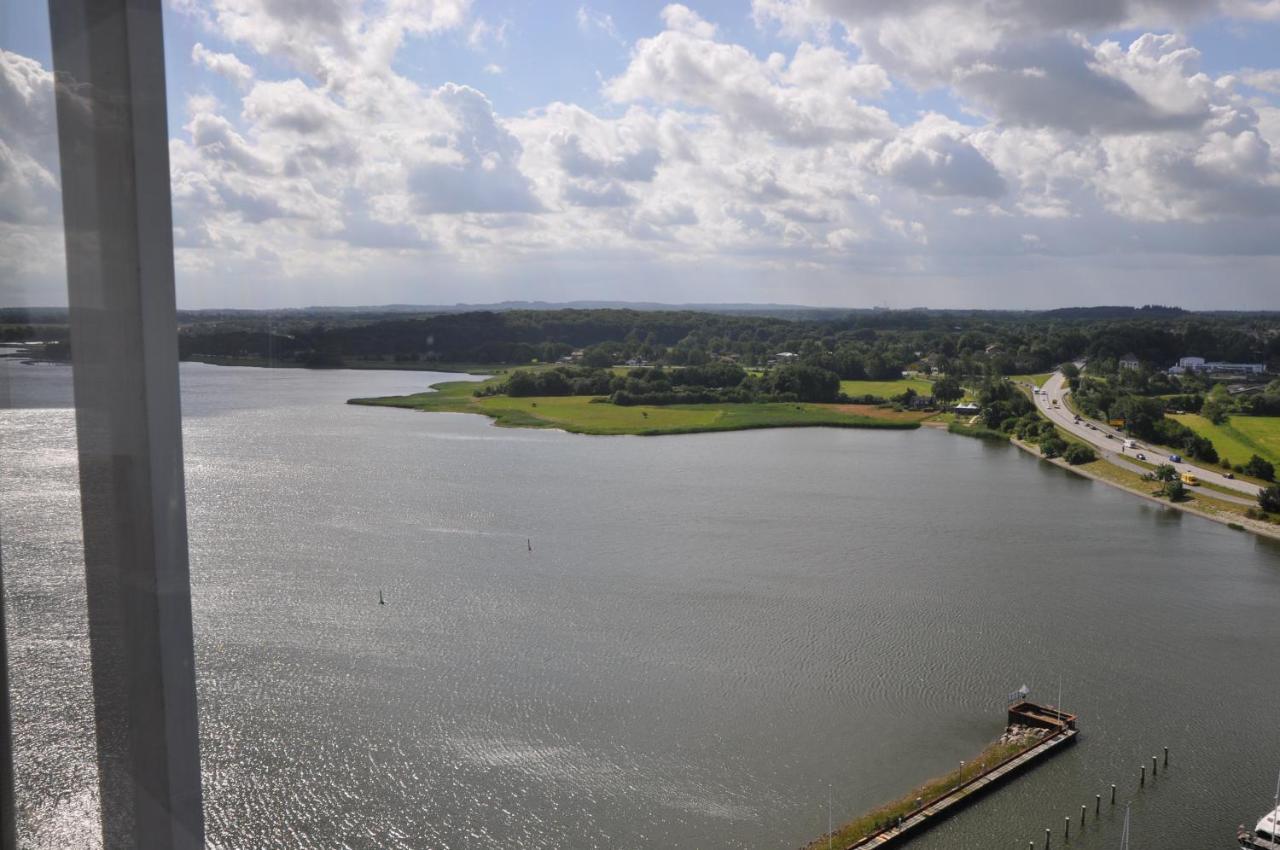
(1263, 836)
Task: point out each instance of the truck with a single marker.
(1131, 444)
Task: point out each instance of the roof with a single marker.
(1130, 356)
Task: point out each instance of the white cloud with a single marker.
(792, 103)
(224, 64)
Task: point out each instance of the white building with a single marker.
(1216, 367)
(1130, 361)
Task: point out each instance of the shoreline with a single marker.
(1241, 523)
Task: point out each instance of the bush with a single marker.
(1269, 499)
(1078, 453)
(1164, 472)
(1259, 468)
(1052, 446)
(1173, 490)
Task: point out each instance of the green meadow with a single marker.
(586, 415)
(1240, 436)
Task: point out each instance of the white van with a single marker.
(1131, 444)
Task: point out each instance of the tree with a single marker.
(806, 383)
(1216, 405)
(1173, 490)
(1259, 468)
(1165, 472)
(1078, 453)
(1052, 446)
(947, 389)
(1269, 499)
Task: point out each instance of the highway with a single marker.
(1055, 389)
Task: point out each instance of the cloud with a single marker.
(482, 174)
(224, 64)
(590, 22)
(609, 194)
(934, 158)
(792, 103)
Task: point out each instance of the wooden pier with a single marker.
(1024, 713)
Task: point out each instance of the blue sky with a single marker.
(818, 151)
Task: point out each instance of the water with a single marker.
(708, 631)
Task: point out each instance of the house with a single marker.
(1130, 361)
(1216, 367)
(785, 357)
(923, 402)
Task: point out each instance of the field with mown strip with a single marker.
(1240, 436)
(1038, 380)
(584, 415)
(886, 389)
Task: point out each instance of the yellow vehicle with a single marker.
(1189, 479)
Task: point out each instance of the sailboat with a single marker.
(1263, 836)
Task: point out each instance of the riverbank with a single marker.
(591, 415)
(358, 363)
(1198, 503)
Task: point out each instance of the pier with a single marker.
(1061, 732)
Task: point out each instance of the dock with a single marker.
(1062, 733)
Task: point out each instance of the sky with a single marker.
(899, 153)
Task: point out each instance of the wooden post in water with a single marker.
(1166, 756)
(1154, 767)
(1066, 828)
(1047, 833)
(1097, 805)
(1142, 781)
(1082, 810)
(1113, 793)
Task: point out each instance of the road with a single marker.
(1055, 389)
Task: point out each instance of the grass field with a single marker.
(886, 389)
(580, 415)
(1038, 380)
(1240, 436)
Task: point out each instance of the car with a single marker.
(1176, 458)
(1231, 475)
(1141, 456)
(1110, 437)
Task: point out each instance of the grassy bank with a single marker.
(888, 814)
(886, 389)
(585, 415)
(1240, 436)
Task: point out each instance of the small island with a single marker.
(651, 401)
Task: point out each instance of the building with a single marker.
(1216, 367)
(1130, 361)
(785, 357)
(969, 408)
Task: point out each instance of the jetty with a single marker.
(1048, 731)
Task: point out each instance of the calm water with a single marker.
(708, 631)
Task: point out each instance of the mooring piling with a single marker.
(1066, 828)
(1166, 756)
(1142, 780)
(1097, 805)
(1082, 810)
(1113, 793)
(1154, 768)
(1047, 832)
